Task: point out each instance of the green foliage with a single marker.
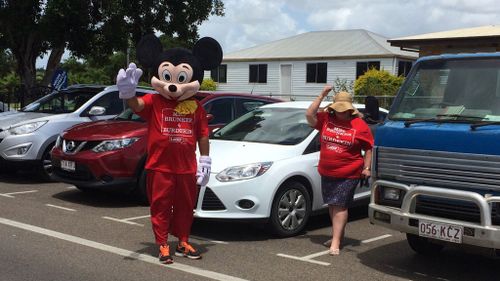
(8, 82)
(208, 85)
(80, 72)
(377, 83)
(93, 30)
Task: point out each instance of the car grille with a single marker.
(440, 169)
(77, 146)
(444, 170)
(454, 209)
(81, 172)
(211, 202)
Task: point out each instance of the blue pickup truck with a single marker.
(436, 168)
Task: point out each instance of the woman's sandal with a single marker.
(334, 252)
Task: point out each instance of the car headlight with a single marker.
(26, 128)
(109, 145)
(243, 172)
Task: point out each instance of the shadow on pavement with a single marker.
(398, 260)
(98, 198)
(22, 177)
(231, 230)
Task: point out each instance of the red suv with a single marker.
(112, 153)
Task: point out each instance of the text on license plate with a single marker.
(68, 165)
(441, 231)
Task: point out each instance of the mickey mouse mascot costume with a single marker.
(176, 123)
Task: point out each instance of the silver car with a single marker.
(28, 135)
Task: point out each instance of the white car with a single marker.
(264, 166)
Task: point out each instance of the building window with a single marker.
(258, 73)
(364, 66)
(316, 72)
(404, 68)
(219, 74)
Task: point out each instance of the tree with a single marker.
(377, 83)
(92, 29)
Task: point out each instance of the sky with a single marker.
(248, 23)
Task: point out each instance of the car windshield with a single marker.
(287, 126)
(450, 90)
(60, 102)
(129, 115)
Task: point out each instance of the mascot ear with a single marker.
(148, 50)
(208, 52)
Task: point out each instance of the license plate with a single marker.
(441, 231)
(68, 165)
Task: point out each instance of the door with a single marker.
(286, 80)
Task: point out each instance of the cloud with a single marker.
(251, 22)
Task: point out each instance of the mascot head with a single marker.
(178, 72)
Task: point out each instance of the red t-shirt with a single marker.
(341, 145)
(172, 136)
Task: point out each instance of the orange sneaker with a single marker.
(165, 256)
(186, 250)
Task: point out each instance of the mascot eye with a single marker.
(182, 77)
(166, 75)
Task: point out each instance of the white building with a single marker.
(298, 67)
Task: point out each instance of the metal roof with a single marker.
(482, 31)
(356, 43)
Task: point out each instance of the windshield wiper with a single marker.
(460, 116)
(482, 124)
(440, 120)
(409, 122)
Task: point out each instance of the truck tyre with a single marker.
(423, 245)
(290, 209)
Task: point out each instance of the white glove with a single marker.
(127, 81)
(203, 173)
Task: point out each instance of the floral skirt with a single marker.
(338, 191)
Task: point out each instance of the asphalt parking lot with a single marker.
(52, 231)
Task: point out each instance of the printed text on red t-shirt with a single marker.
(338, 138)
(176, 125)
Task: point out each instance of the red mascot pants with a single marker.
(172, 198)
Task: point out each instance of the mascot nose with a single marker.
(172, 88)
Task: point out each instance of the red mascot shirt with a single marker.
(172, 137)
(341, 145)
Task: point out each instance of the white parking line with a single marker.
(137, 218)
(14, 193)
(129, 221)
(121, 252)
(123, 221)
(59, 207)
(376, 238)
(304, 259)
(309, 258)
(208, 240)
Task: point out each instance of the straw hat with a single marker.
(342, 101)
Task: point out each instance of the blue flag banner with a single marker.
(60, 79)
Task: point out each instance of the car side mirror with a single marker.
(97, 110)
(210, 117)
